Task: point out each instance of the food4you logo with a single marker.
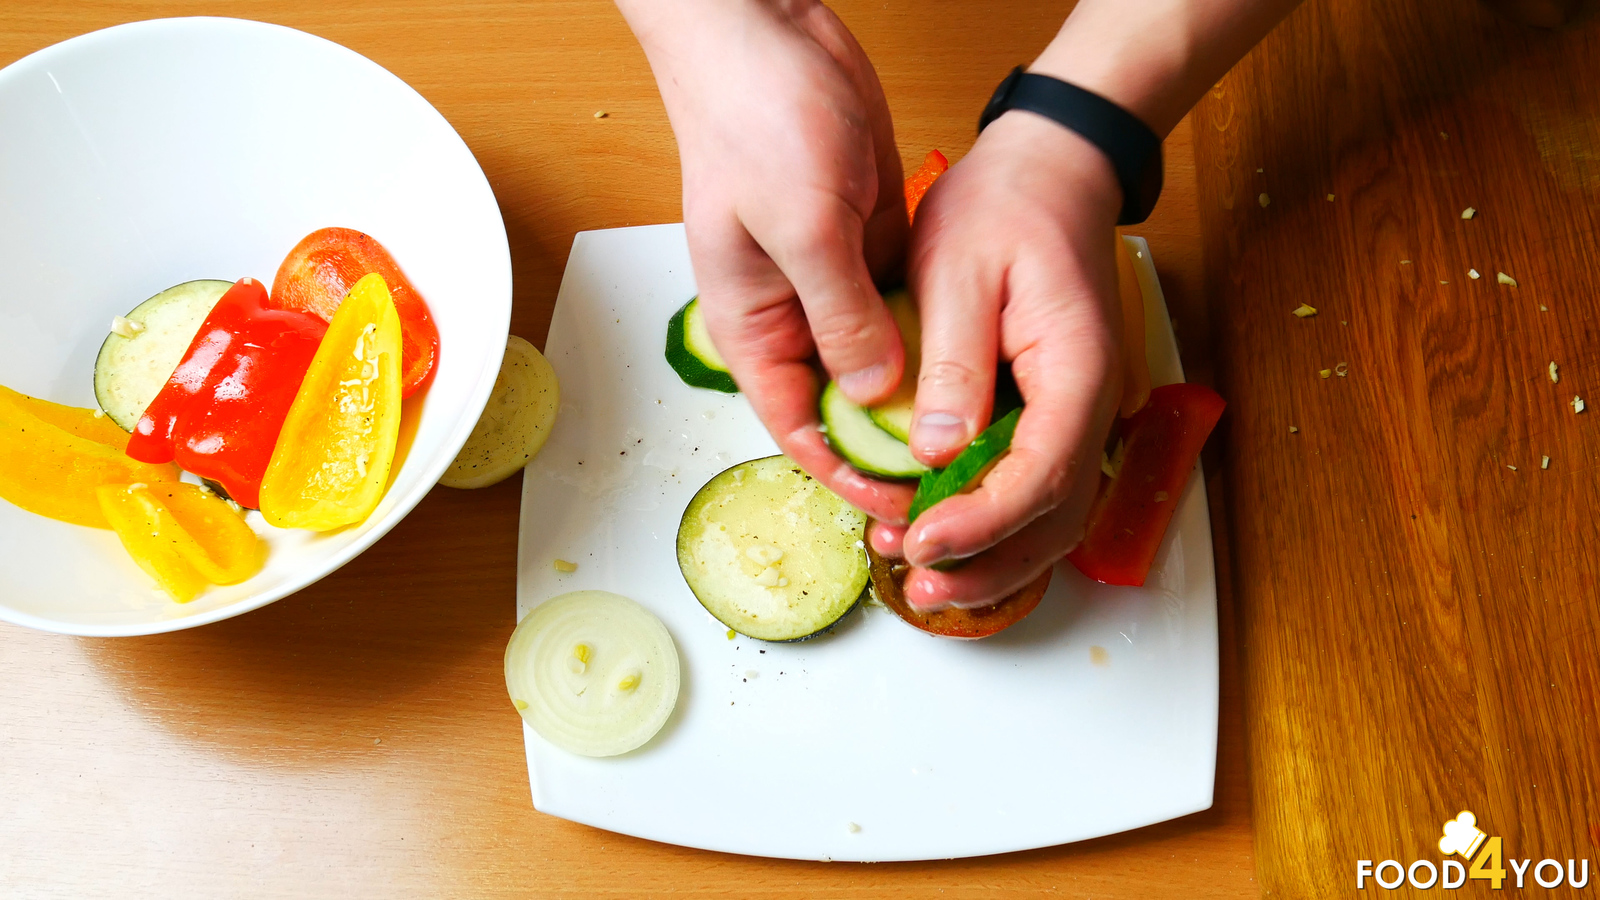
(1462, 837)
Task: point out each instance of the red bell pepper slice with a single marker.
(923, 178)
(322, 268)
(220, 412)
(1129, 518)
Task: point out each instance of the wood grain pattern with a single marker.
(1416, 596)
(354, 740)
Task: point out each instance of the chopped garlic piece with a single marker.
(1342, 369)
(601, 114)
(123, 327)
(1503, 278)
(519, 704)
(731, 634)
(1468, 213)
(562, 565)
(1263, 200)
(1405, 262)
(1293, 430)
(1543, 308)
(1512, 468)
(783, 582)
(1161, 496)
(630, 680)
(1304, 310)
(1260, 171)
(1330, 198)
(852, 827)
(769, 577)
(1544, 462)
(1554, 376)
(1138, 254)
(99, 414)
(1105, 465)
(1577, 404)
(1473, 274)
(578, 662)
(1325, 373)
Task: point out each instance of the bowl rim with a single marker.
(475, 402)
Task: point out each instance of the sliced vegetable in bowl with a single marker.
(324, 267)
(54, 457)
(221, 409)
(146, 346)
(182, 535)
(331, 461)
(770, 552)
(515, 423)
(592, 672)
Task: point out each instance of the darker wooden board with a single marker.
(1417, 618)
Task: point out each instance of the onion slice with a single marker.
(593, 672)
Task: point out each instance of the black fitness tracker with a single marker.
(1130, 145)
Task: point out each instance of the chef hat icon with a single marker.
(1461, 835)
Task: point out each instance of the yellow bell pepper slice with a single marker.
(53, 457)
(90, 424)
(331, 463)
(184, 536)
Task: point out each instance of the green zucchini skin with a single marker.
(966, 470)
(130, 371)
(694, 368)
(853, 434)
(763, 519)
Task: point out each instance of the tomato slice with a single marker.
(888, 582)
(1129, 519)
(322, 268)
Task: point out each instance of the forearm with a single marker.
(1156, 58)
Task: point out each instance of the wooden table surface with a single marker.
(1416, 594)
(1408, 627)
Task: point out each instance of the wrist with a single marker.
(1135, 64)
(1061, 162)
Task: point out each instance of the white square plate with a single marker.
(876, 741)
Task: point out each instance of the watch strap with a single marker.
(1132, 147)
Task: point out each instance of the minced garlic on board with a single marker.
(1304, 310)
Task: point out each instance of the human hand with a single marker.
(793, 205)
(1012, 254)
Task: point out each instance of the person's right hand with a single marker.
(793, 203)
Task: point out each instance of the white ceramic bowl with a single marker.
(141, 156)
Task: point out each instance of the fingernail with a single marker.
(932, 556)
(938, 431)
(863, 382)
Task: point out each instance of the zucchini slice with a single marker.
(854, 436)
(966, 471)
(888, 585)
(135, 364)
(894, 414)
(515, 423)
(691, 354)
(771, 553)
(593, 672)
